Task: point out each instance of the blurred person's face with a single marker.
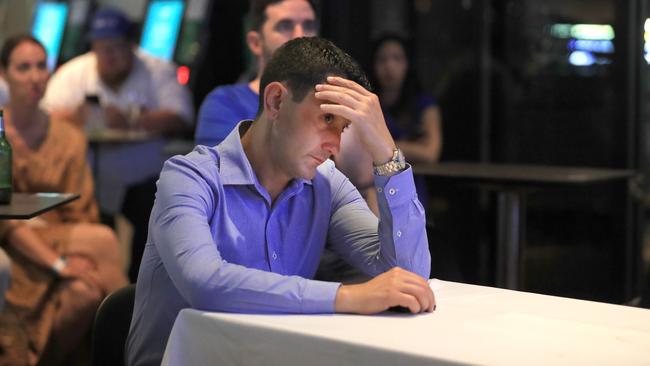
(285, 21)
(390, 65)
(26, 73)
(114, 59)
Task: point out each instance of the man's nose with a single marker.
(298, 31)
(35, 74)
(332, 143)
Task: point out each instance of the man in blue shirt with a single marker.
(240, 227)
(274, 22)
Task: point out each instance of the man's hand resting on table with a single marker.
(396, 287)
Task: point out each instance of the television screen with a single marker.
(161, 27)
(49, 24)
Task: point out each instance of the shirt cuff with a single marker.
(398, 188)
(319, 297)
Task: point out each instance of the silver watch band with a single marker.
(394, 165)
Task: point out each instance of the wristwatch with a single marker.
(396, 164)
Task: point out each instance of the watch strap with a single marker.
(394, 165)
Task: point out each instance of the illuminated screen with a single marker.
(161, 27)
(588, 44)
(48, 27)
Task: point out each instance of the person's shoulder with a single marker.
(203, 160)
(76, 67)
(229, 90)
(153, 63)
(74, 64)
(193, 176)
(230, 95)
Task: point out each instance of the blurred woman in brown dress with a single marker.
(63, 262)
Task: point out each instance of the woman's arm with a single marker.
(25, 240)
(427, 149)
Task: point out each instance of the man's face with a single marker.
(114, 59)
(304, 137)
(285, 21)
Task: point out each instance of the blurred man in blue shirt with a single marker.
(240, 227)
(273, 22)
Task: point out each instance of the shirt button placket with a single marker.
(272, 240)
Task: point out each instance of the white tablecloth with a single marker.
(473, 325)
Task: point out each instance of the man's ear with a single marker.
(254, 41)
(274, 94)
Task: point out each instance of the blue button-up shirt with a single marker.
(217, 241)
(221, 110)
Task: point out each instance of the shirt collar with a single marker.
(234, 167)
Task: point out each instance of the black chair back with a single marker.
(111, 327)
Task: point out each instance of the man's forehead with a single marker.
(112, 41)
(290, 9)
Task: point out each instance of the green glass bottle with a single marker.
(5, 164)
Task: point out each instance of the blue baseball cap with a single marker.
(109, 23)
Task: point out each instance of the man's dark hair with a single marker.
(304, 62)
(257, 11)
(14, 41)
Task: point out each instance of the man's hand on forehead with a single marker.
(351, 101)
